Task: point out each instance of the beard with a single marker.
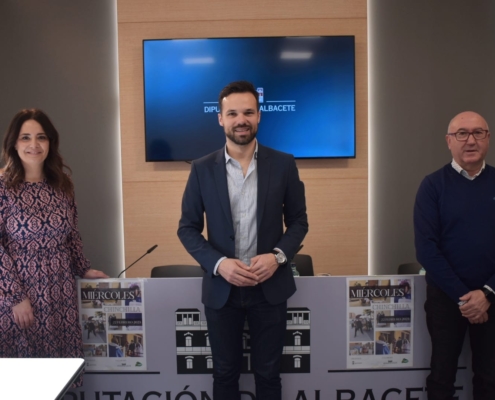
(242, 141)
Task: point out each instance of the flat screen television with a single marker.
(306, 86)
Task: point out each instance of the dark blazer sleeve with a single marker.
(282, 203)
(191, 224)
(283, 222)
(294, 210)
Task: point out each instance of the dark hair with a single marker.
(405, 283)
(239, 87)
(55, 171)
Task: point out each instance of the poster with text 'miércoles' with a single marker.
(111, 314)
(379, 322)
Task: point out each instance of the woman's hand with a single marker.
(94, 274)
(23, 314)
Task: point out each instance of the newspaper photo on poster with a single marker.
(111, 314)
(379, 322)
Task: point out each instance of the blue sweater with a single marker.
(454, 226)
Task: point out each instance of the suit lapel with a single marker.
(222, 186)
(263, 165)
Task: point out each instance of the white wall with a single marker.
(61, 56)
(428, 60)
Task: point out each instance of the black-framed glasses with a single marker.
(463, 135)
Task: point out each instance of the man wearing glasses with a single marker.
(454, 224)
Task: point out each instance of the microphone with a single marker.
(148, 252)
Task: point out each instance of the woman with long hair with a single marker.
(40, 246)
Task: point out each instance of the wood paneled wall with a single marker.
(336, 190)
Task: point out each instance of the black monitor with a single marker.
(306, 86)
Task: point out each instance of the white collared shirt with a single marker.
(243, 196)
(464, 173)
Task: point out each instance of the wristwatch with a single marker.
(280, 257)
(490, 296)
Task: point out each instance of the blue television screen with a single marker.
(306, 86)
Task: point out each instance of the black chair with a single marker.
(304, 264)
(177, 271)
(409, 268)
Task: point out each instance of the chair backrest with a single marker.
(409, 268)
(304, 264)
(177, 271)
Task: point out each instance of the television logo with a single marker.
(260, 92)
(270, 106)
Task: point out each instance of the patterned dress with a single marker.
(40, 255)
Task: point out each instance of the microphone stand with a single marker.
(148, 252)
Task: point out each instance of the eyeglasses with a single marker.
(463, 136)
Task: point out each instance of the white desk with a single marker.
(38, 378)
(168, 377)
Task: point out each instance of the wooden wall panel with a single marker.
(146, 11)
(152, 217)
(337, 190)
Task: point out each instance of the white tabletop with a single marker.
(37, 378)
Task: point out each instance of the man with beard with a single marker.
(247, 192)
